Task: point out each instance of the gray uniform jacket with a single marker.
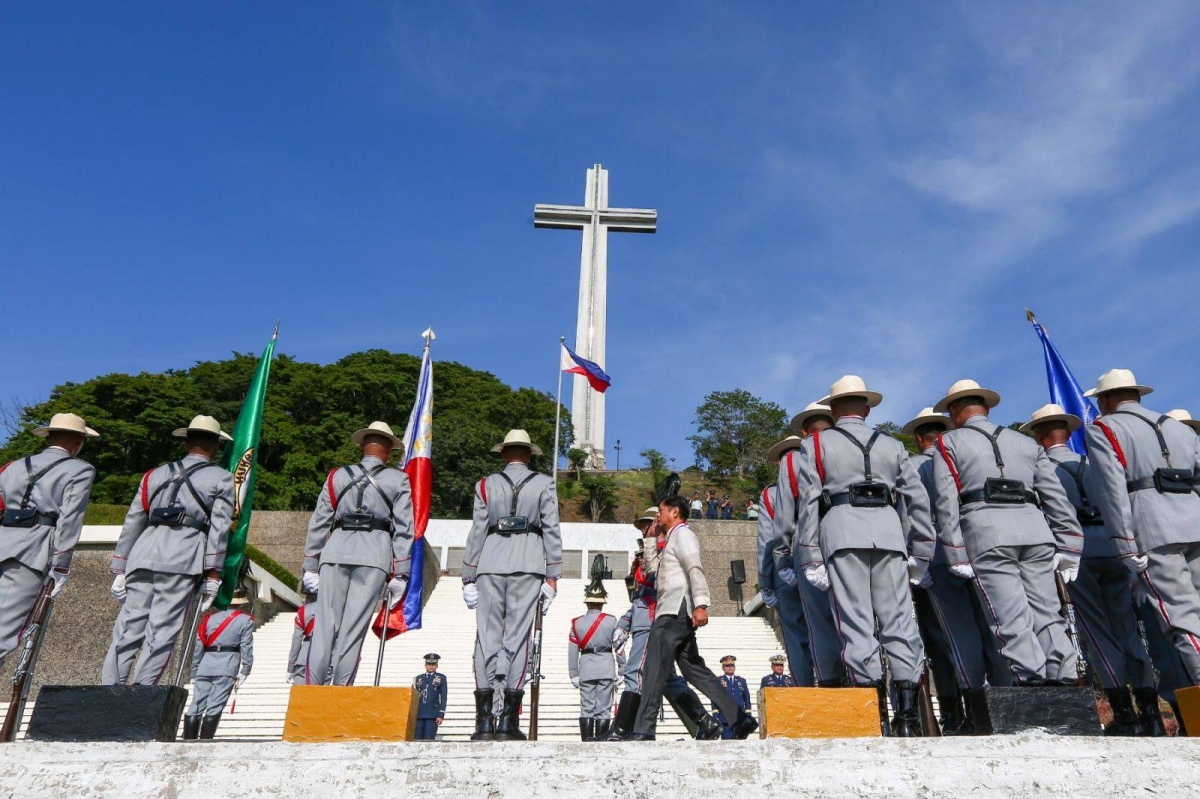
(677, 572)
(965, 461)
(841, 465)
(236, 640)
(1073, 470)
(770, 538)
(518, 553)
(193, 547)
(305, 625)
(1140, 521)
(924, 466)
(591, 657)
(64, 490)
(388, 545)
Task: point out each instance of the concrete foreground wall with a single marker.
(1032, 765)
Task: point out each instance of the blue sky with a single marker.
(869, 188)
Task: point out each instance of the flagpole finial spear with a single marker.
(1029, 315)
(275, 335)
(428, 335)
(562, 338)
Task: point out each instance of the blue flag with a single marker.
(1064, 388)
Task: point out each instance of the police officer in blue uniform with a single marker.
(737, 688)
(778, 678)
(431, 690)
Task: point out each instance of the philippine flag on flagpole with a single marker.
(575, 365)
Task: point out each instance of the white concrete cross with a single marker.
(595, 219)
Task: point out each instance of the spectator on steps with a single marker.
(697, 507)
(726, 508)
(711, 513)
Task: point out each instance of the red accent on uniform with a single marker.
(946, 457)
(2, 468)
(209, 640)
(591, 630)
(791, 469)
(816, 437)
(767, 503)
(329, 488)
(1112, 439)
(146, 491)
(483, 490)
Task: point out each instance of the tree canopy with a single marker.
(734, 430)
(311, 411)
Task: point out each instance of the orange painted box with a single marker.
(333, 713)
(1189, 707)
(819, 713)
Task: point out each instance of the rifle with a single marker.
(382, 638)
(31, 645)
(185, 653)
(535, 665)
(1068, 611)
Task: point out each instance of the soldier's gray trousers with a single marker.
(1107, 624)
(969, 642)
(794, 624)
(19, 587)
(345, 604)
(1173, 583)
(596, 699)
(825, 645)
(1020, 598)
(299, 669)
(155, 609)
(870, 584)
(209, 695)
(503, 624)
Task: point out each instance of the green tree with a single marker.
(734, 430)
(576, 458)
(893, 430)
(658, 466)
(311, 411)
(599, 501)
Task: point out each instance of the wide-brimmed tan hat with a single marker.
(789, 443)
(381, 429)
(1114, 379)
(967, 388)
(517, 438)
(811, 410)
(648, 516)
(1180, 415)
(202, 424)
(65, 423)
(1052, 413)
(926, 416)
(851, 386)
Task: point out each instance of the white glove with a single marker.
(290, 677)
(963, 570)
(310, 582)
(118, 588)
(395, 590)
(574, 682)
(817, 576)
(240, 679)
(917, 570)
(208, 593)
(60, 582)
(769, 598)
(788, 576)
(1137, 563)
(619, 639)
(548, 595)
(926, 580)
(1067, 565)
(470, 595)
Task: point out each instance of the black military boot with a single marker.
(1149, 716)
(509, 728)
(695, 717)
(908, 720)
(601, 730)
(208, 727)
(953, 721)
(191, 728)
(885, 726)
(978, 717)
(744, 725)
(585, 728)
(622, 725)
(831, 683)
(1125, 720)
(485, 726)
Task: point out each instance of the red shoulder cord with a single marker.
(329, 488)
(949, 462)
(767, 506)
(146, 491)
(2, 468)
(817, 454)
(483, 490)
(1112, 439)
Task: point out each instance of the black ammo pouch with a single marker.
(1173, 481)
(20, 517)
(870, 495)
(31, 517)
(169, 517)
(999, 491)
(357, 522)
(1089, 516)
(512, 524)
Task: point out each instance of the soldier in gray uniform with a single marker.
(43, 498)
(850, 541)
(433, 690)
(824, 642)
(1147, 470)
(174, 537)
(305, 626)
(222, 656)
(359, 539)
(1101, 593)
(593, 661)
(989, 482)
(512, 557)
(962, 649)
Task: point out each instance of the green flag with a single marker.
(242, 459)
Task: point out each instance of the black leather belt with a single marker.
(223, 649)
(980, 495)
(533, 528)
(21, 517)
(605, 651)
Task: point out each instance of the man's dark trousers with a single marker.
(673, 638)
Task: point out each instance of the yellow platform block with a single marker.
(819, 713)
(333, 713)
(1188, 700)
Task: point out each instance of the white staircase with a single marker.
(449, 630)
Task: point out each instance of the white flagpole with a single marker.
(558, 408)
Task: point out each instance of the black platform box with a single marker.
(107, 713)
(1058, 710)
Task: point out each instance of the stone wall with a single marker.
(720, 543)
